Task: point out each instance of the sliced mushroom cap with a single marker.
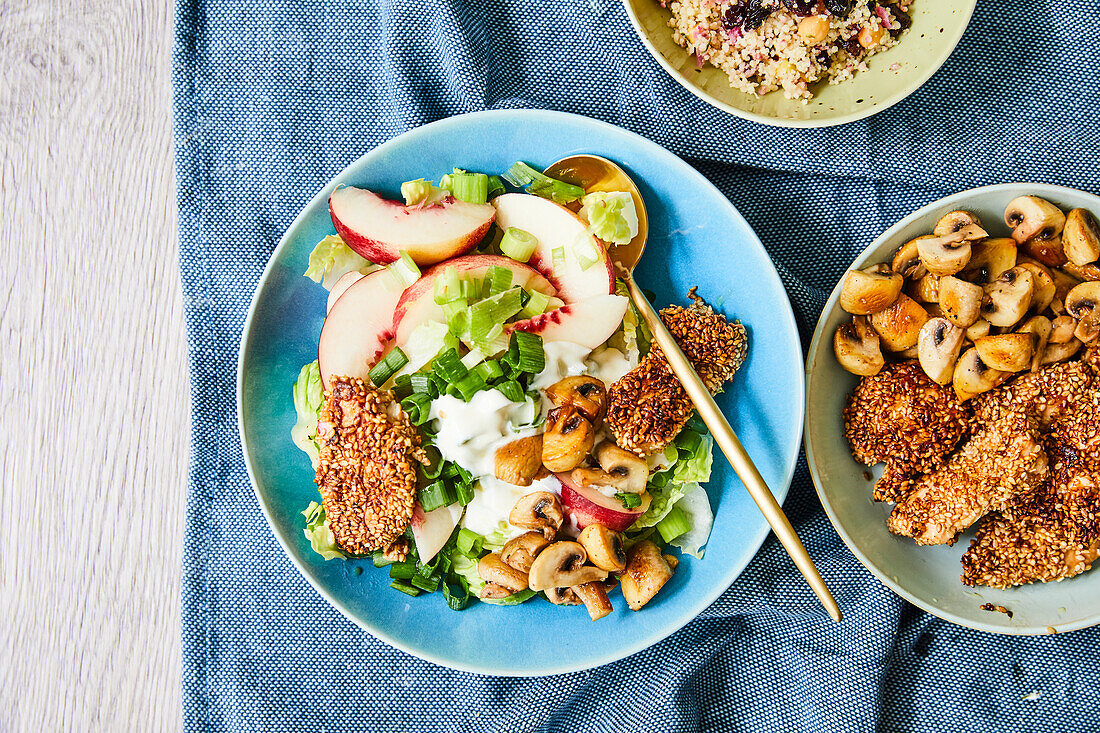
(1040, 328)
(1043, 280)
(977, 329)
(907, 262)
(1061, 329)
(587, 394)
(938, 349)
(562, 596)
(1007, 352)
(1056, 353)
(521, 551)
(518, 462)
(944, 255)
(604, 547)
(956, 221)
(1063, 283)
(1008, 297)
(1033, 218)
(595, 599)
(561, 565)
(630, 471)
(857, 347)
(1081, 237)
(568, 438)
(926, 290)
(540, 511)
(990, 259)
(1083, 303)
(871, 290)
(493, 569)
(899, 325)
(646, 573)
(1090, 271)
(973, 376)
(960, 301)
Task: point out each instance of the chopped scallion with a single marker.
(512, 390)
(472, 188)
(379, 559)
(429, 583)
(402, 570)
(536, 304)
(435, 495)
(472, 359)
(465, 493)
(488, 370)
(405, 588)
(448, 286)
(469, 542)
(532, 358)
(673, 525)
(499, 279)
(558, 256)
(469, 385)
(539, 184)
(405, 270)
(381, 372)
(496, 187)
(449, 366)
(518, 244)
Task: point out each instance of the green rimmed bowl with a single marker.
(920, 52)
(928, 577)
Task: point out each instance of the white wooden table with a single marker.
(93, 368)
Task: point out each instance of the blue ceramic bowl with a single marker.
(696, 238)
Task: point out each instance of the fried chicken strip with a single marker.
(648, 407)
(994, 467)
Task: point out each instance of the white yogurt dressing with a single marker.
(471, 432)
(493, 501)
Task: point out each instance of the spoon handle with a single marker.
(727, 440)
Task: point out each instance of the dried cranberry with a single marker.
(853, 48)
(839, 8)
(733, 17)
(746, 15)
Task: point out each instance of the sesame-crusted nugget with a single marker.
(1074, 441)
(648, 407)
(366, 473)
(902, 417)
(993, 468)
(1051, 393)
(1091, 358)
(1050, 534)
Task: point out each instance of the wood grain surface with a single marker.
(93, 373)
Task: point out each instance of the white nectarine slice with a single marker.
(380, 229)
(588, 323)
(344, 282)
(431, 530)
(358, 326)
(557, 228)
(588, 506)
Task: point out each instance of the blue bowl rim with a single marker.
(645, 640)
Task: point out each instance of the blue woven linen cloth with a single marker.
(274, 97)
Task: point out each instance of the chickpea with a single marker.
(870, 37)
(814, 29)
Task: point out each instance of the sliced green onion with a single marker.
(673, 525)
(435, 495)
(402, 386)
(493, 311)
(380, 560)
(629, 500)
(405, 270)
(471, 289)
(449, 366)
(405, 588)
(429, 584)
(554, 304)
(472, 359)
(458, 323)
(558, 256)
(456, 601)
(511, 390)
(421, 383)
(472, 188)
(469, 542)
(381, 372)
(494, 342)
(417, 406)
(465, 493)
(532, 358)
(448, 286)
(584, 250)
(539, 184)
(499, 279)
(468, 386)
(402, 570)
(488, 370)
(518, 244)
(435, 463)
(496, 187)
(659, 480)
(536, 304)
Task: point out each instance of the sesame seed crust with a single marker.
(366, 474)
(902, 417)
(998, 464)
(1050, 393)
(648, 407)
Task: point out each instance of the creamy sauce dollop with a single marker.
(469, 433)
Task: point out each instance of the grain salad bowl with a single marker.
(927, 576)
(893, 74)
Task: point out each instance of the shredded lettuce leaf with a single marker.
(423, 193)
(691, 467)
(611, 216)
(331, 259)
(695, 505)
(632, 336)
(664, 499)
(309, 396)
(425, 343)
(694, 467)
(319, 534)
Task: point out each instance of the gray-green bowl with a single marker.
(937, 27)
(926, 576)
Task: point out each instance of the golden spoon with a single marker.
(594, 173)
